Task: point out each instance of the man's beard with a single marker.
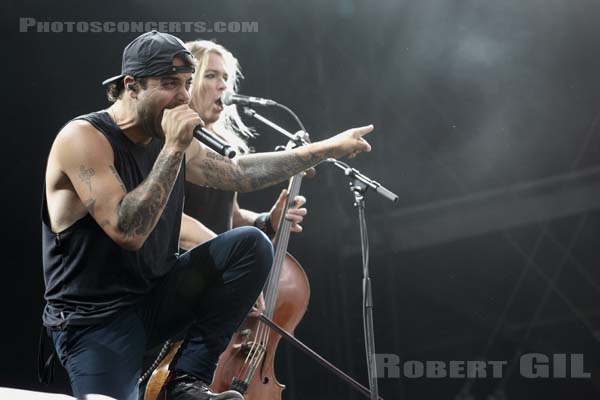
(151, 122)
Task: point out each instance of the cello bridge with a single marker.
(247, 347)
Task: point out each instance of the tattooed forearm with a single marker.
(85, 174)
(263, 170)
(266, 169)
(116, 174)
(254, 171)
(140, 209)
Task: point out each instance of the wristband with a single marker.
(263, 222)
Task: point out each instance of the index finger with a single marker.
(363, 130)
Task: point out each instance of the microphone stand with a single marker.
(359, 184)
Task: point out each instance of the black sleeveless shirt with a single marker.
(212, 207)
(88, 277)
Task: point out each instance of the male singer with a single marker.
(111, 215)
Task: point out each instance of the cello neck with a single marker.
(280, 246)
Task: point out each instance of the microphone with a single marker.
(214, 142)
(229, 98)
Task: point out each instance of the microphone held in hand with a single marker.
(215, 143)
(229, 98)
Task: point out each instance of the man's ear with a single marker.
(131, 86)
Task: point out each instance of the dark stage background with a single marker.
(487, 125)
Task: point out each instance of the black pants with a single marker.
(210, 290)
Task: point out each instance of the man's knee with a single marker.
(255, 236)
(259, 244)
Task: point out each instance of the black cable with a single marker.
(300, 124)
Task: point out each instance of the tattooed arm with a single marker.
(256, 171)
(85, 157)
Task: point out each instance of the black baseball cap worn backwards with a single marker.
(151, 54)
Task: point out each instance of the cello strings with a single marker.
(261, 335)
(252, 359)
(259, 344)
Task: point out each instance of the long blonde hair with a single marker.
(229, 125)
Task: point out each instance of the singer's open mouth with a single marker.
(219, 104)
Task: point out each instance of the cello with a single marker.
(247, 364)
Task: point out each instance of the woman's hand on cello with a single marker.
(294, 214)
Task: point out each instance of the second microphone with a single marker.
(215, 143)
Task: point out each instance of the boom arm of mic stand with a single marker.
(376, 186)
(302, 138)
